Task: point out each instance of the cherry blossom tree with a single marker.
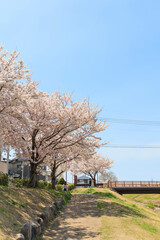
(110, 176)
(61, 160)
(92, 166)
(47, 125)
(12, 69)
(15, 88)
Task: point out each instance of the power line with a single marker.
(131, 146)
(131, 121)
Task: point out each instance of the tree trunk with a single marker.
(33, 175)
(94, 181)
(53, 176)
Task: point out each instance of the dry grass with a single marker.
(123, 218)
(19, 205)
(144, 198)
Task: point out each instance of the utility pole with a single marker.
(22, 167)
(7, 159)
(66, 172)
(0, 152)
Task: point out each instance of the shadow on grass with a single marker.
(119, 210)
(19, 205)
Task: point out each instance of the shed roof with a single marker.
(84, 177)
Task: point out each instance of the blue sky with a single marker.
(105, 50)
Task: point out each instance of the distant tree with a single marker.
(110, 176)
(92, 166)
(61, 160)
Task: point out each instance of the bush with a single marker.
(25, 182)
(20, 182)
(49, 185)
(70, 186)
(17, 182)
(41, 184)
(61, 181)
(3, 179)
(59, 187)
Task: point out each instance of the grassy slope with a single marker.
(147, 199)
(124, 219)
(18, 205)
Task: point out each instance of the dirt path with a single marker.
(79, 219)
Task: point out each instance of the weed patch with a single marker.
(147, 227)
(150, 205)
(100, 204)
(89, 190)
(106, 194)
(118, 209)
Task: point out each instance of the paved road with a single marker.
(79, 219)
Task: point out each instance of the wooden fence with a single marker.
(115, 184)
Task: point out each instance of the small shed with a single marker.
(83, 180)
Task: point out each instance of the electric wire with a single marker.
(131, 146)
(131, 121)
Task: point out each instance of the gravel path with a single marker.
(79, 219)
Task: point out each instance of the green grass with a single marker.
(94, 191)
(106, 194)
(89, 190)
(67, 197)
(153, 199)
(121, 208)
(148, 227)
(101, 204)
(150, 205)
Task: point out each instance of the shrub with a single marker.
(20, 182)
(49, 185)
(17, 182)
(3, 179)
(70, 186)
(61, 181)
(59, 187)
(25, 182)
(41, 184)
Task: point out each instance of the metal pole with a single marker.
(22, 171)
(66, 173)
(0, 151)
(66, 177)
(7, 158)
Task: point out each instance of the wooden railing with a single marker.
(114, 184)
